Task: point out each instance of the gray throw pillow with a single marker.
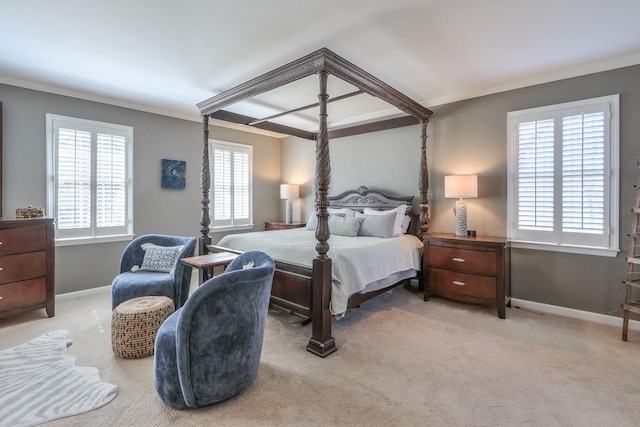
(377, 225)
(312, 222)
(344, 226)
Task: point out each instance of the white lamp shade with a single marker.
(456, 186)
(289, 191)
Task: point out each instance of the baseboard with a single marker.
(515, 302)
(571, 312)
(76, 294)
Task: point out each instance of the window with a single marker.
(563, 177)
(89, 188)
(232, 185)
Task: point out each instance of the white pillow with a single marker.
(405, 224)
(399, 211)
(342, 211)
(377, 225)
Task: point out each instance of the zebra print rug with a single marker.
(40, 383)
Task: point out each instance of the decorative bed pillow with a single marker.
(399, 211)
(159, 258)
(312, 223)
(406, 221)
(377, 225)
(344, 226)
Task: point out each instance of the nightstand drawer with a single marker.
(274, 225)
(471, 261)
(472, 269)
(451, 283)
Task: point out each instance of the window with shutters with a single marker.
(564, 176)
(89, 188)
(231, 185)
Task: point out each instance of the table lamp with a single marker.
(289, 192)
(459, 186)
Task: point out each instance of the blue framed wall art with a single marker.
(173, 173)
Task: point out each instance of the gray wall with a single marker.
(156, 210)
(471, 137)
(388, 160)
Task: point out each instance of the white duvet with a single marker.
(357, 261)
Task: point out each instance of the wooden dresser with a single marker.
(275, 225)
(26, 266)
(469, 269)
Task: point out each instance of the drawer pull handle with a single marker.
(458, 283)
(456, 259)
(1, 298)
(1, 268)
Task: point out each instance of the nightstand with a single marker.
(469, 269)
(275, 225)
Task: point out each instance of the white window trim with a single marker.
(614, 178)
(227, 228)
(51, 188)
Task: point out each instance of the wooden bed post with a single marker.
(321, 342)
(424, 182)
(424, 200)
(205, 184)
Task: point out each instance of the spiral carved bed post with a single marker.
(205, 184)
(321, 342)
(424, 189)
(424, 182)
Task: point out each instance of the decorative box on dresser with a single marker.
(275, 225)
(26, 266)
(470, 269)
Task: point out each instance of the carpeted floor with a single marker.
(400, 361)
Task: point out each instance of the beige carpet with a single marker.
(400, 362)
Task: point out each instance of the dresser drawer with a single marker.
(23, 239)
(14, 268)
(453, 283)
(18, 295)
(467, 260)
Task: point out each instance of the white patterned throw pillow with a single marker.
(159, 258)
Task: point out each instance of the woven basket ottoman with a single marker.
(135, 323)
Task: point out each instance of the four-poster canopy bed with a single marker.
(303, 290)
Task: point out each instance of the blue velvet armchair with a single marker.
(209, 350)
(140, 282)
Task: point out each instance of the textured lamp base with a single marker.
(460, 211)
(289, 212)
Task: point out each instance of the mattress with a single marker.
(360, 264)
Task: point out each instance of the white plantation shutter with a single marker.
(89, 191)
(241, 186)
(563, 164)
(535, 175)
(74, 179)
(221, 187)
(232, 184)
(583, 173)
(111, 181)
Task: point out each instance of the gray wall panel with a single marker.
(471, 137)
(156, 210)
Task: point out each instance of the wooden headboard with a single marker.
(362, 197)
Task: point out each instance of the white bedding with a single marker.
(357, 261)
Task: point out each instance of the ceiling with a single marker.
(166, 56)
